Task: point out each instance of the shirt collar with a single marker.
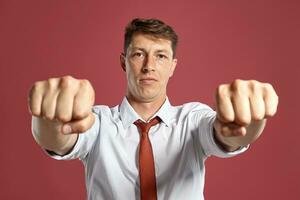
(129, 116)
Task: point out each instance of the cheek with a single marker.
(167, 72)
(164, 78)
(133, 68)
(131, 74)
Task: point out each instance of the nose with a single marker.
(149, 65)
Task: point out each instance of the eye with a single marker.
(138, 54)
(162, 56)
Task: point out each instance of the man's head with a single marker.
(148, 59)
(152, 27)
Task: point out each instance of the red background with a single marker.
(219, 41)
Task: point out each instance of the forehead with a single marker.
(146, 41)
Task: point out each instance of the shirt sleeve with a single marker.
(204, 117)
(84, 143)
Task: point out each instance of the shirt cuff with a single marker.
(69, 155)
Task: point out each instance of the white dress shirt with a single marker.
(181, 143)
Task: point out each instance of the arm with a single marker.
(242, 110)
(61, 108)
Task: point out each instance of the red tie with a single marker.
(146, 161)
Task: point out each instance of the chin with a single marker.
(147, 99)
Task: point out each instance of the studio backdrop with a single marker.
(219, 41)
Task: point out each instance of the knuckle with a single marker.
(229, 118)
(81, 127)
(257, 116)
(222, 90)
(45, 113)
(66, 82)
(68, 77)
(79, 114)
(35, 111)
(237, 84)
(243, 120)
(36, 87)
(48, 116)
(63, 118)
(84, 83)
(271, 112)
(226, 117)
(254, 82)
(268, 88)
(38, 84)
(254, 86)
(52, 83)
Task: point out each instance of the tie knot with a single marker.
(144, 127)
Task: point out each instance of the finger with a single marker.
(35, 99)
(241, 108)
(83, 102)
(271, 101)
(225, 111)
(230, 129)
(64, 107)
(49, 105)
(79, 126)
(257, 105)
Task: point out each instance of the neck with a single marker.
(146, 109)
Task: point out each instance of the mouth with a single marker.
(147, 80)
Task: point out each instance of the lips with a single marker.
(148, 80)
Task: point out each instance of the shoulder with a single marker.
(191, 112)
(105, 111)
(101, 109)
(191, 107)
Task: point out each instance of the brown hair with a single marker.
(153, 27)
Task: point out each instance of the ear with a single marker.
(122, 61)
(173, 67)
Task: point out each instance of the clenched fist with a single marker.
(242, 107)
(66, 100)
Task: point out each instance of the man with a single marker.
(126, 158)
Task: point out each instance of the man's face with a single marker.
(148, 64)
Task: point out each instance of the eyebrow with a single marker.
(156, 51)
(138, 48)
(163, 51)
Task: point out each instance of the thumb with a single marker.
(229, 129)
(79, 126)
